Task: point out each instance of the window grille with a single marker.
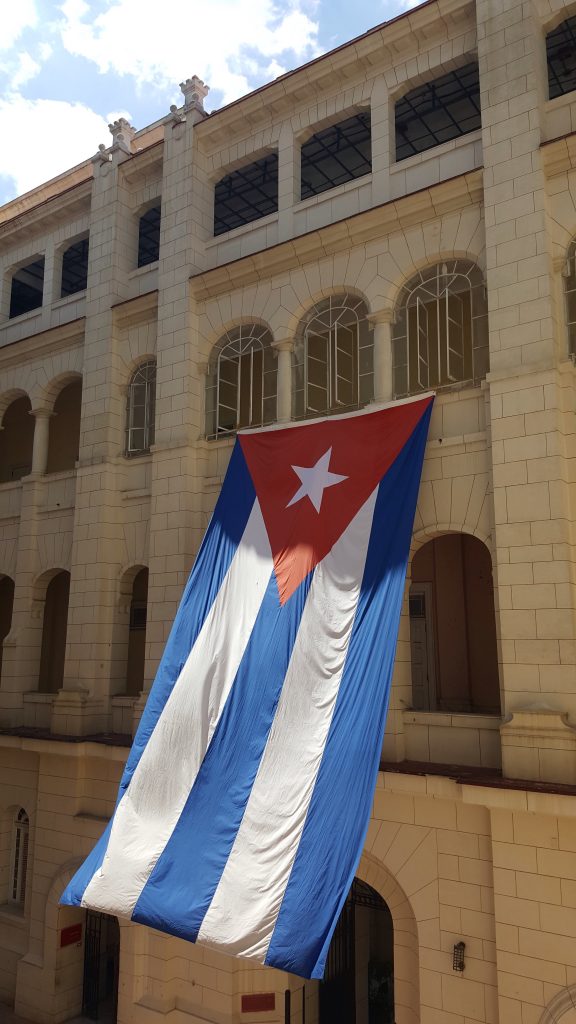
(141, 409)
(438, 111)
(246, 194)
(333, 358)
(27, 288)
(19, 858)
(561, 57)
(149, 236)
(570, 293)
(241, 384)
(336, 155)
(440, 334)
(75, 268)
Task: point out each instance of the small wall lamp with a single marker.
(458, 956)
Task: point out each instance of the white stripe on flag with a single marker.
(243, 912)
(151, 806)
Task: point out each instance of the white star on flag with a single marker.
(314, 481)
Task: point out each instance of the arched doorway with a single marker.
(16, 440)
(358, 984)
(101, 967)
(64, 438)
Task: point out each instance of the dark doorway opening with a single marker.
(358, 985)
(101, 968)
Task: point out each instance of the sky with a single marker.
(69, 67)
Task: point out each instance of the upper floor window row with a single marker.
(561, 58)
(438, 111)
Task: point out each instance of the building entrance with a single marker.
(358, 985)
(101, 968)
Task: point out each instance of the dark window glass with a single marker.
(561, 56)
(246, 194)
(27, 288)
(336, 155)
(149, 237)
(75, 268)
(439, 111)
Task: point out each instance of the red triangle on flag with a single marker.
(311, 480)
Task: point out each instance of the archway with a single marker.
(6, 606)
(453, 627)
(358, 984)
(54, 629)
(101, 967)
(16, 440)
(64, 439)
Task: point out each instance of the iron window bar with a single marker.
(141, 409)
(438, 112)
(246, 194)
(561, 58)
(336, 155)
(149, 236)
(75, 268)
(241, 386)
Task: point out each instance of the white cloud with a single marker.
(15, 18)
(21, 70)
(43, 138)
(226, 42)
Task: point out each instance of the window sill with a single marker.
(67, 300)
(435, 151)
(456, 719)
(333, 193)
(35, 697)
(140, 271)
(242, 229)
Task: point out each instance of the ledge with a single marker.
(489, 778)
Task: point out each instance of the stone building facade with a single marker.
(397, 215)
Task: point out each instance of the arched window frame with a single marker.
(345, 369)
(242, 381)
(141, 396)
(569, 275)
(434, 297)
(19, 862)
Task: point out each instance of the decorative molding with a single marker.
(141, 309)
(48, 342)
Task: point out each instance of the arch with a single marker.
(138, 614)
(333, 358)
(16, 440)
(440, 328)
(54, 631)
(241, 380)
(64, 431)
(291, 325)
(453, 643)
(141, 408)
(406, 941)
(562, 1008)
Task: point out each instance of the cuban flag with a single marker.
(245, 800)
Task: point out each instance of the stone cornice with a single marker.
(53, 340)
(73, 201)
(139, 310)
(145, 163)
(380, 47)
(426, 204)
(559, 155)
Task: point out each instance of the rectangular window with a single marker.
(149, 236)
(27, 288)
(336, 155)
(439, 111)
(75, 268)
(246, 195)
(561, 57)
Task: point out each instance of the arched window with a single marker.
(16, 440)
(569, 274)
(64, 436)
(241, 382)
(54, 629)
(333, 358)
(141, 409)
(453, 627)
(17, 891)
(440, 334)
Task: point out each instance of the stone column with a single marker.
(284, 386)
(41, 437)
(383, 383)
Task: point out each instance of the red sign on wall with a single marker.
(258, 1002)
(71, 935)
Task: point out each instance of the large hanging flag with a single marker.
(245, 800)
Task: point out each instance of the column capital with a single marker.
(381, 316)
(41, 413)
(283, 344)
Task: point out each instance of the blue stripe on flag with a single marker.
(184, 880)
(334, 833)
(216, 552)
